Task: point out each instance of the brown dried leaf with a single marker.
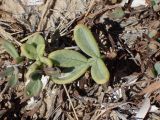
(151, 88)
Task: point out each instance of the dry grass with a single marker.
(133, 90)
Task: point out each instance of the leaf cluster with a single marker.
(74, 64)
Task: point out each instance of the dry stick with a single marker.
(24, 39)
(70, 101)
(22, 5)
(67, 26)
(90, 7)
(101, 113)
(63, 30)
(112, 107)
(106, 8)
(7, 35)
(44, 14)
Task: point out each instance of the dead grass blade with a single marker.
(98, 114)
(92, 4)
(7, 35)
(151, 88)
(43, 19)
(70, 102)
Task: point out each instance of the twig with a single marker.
(24, 39)
(101, 113)
(70, 102)
(48, 4)
(99, 13)
(67, 26)
(7, 35)
(107, 7)
(90, 7)
(108, 108)
(72, 48)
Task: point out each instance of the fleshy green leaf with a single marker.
(37, 39)
(70, 74)
(35, 85)
(67, 58)
(19, 59)
(8, 71)
(9, 47)
(157, 67)
(99, 72)
(117, 13)
(34, 47)
(33, 68)
(46, 61)
(113, 1)
(14, 78)
(40, 50)
(154, 2)
(29, 51)
(86, 41)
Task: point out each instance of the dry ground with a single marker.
(133, 92)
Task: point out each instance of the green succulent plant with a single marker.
(35, 85)
(73, 63)
(9, 47)
(34, 49)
